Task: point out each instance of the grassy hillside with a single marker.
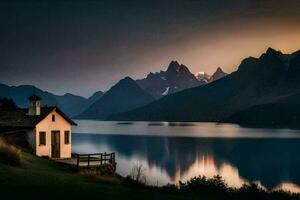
(46, 179)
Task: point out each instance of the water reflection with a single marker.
(273, 162)
(288, 187)
(207, 166)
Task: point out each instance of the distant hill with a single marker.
(122, 97)
(176, 78)
(95, 97)
(282, 111)
(74, 105)
(71, 104)
(257, 81)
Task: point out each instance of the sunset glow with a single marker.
(133, 40)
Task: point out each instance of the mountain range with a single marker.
(122, 97)
(71, 104)
(128, 94)
(177, 77)
(140, 92)
(259, 83)
(264, 90)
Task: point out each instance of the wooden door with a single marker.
(55, 144)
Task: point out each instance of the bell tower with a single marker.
(34, 105)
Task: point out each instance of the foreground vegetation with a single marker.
(40, 178)
(9, 154)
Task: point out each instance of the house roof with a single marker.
(19, 118)
(64, 116)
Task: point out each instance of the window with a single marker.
(53, 118)
(42, 138)
(67, 137)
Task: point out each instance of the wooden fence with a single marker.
(95, 159)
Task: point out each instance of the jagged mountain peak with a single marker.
(219, 73)
(273, 54)
(219, 70)
(272, 51)
(177, 77)
(173, 66)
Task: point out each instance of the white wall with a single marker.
(47, 126)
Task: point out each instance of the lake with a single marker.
(170, 152)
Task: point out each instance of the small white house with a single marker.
(47, 129)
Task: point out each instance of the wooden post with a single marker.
(77, 160)
(101, 159)
(88, 160)
(104, 157)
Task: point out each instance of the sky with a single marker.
(81, 47)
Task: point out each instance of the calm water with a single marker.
(171, 152)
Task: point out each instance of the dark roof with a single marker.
(34, 98)
(12, 130)
(19, 118)
(64, 116)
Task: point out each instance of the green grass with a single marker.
(39, 178)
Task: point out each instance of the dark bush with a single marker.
(204, 185)
(9, 154)
(216, 188)
(7, 104)
(252, 191)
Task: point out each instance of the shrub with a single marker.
(138, 174)
(9, 154)
(202, 184)
(284, 195)
(7, 104)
